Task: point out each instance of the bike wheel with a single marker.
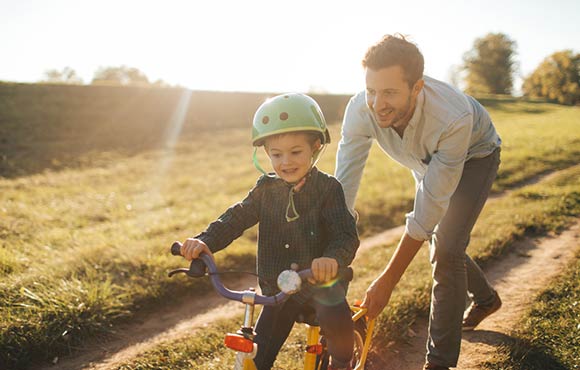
(360, 336)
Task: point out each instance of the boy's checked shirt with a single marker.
(325, 226)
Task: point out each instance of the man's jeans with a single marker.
(454, 272)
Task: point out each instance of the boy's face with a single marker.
(290, 155)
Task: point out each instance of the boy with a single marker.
(303, 223)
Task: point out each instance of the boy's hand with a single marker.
(192, 248)
(324, 269)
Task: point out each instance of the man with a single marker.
(447, 140)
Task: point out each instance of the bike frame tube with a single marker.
(312, 337)
(245, 361)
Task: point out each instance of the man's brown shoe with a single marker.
(430, 366)
(476, 313)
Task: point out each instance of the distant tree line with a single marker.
(556, 78)
(489, 67)
(122, 75)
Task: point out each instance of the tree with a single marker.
(122, 75)
(66, 76)
(556, 78)
(490, 65)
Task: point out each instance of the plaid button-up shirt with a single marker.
(325, 226)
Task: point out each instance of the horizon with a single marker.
(266, 46)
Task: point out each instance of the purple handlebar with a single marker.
(196, 270)
(239, 296)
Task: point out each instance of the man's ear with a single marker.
(418, 86)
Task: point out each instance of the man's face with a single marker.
(389, 96)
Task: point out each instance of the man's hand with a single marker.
(324, 269)
(192, 248)
(379, 292)
(377, 296)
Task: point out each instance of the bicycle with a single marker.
(316, 356)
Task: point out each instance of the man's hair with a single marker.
(395, 50)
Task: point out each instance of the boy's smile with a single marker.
(290, 155)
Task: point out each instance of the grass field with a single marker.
(83, 248)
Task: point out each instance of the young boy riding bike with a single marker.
(303, 223)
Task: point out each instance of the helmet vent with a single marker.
(265, 120)
(283, 116)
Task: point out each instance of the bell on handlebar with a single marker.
(289, 281)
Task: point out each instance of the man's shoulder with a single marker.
(357, 116)
(444, 102)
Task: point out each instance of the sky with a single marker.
(267, 45)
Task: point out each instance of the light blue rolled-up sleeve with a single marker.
(353, 149)
(443, 173)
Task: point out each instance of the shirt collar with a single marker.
(418, 109)
(309, 176)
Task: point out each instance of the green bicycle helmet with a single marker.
(288, 113)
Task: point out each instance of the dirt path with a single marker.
(518, 277)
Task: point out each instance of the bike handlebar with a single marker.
(198, 268)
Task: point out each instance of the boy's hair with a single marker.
(311, 136)
(395, 50)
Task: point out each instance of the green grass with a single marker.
(549, 337)
(547, 206)
(86, 247)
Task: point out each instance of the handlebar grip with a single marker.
(197, 268)
(176, 249)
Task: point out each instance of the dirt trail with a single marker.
(518, 277)
(170, 324)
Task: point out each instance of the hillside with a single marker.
(56, 126)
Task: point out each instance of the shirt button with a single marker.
(287, 246)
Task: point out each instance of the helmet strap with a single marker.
(317, 155)
(257, 164)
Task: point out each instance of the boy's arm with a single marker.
(234, 221)
(343, 238)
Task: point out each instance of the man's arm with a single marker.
(353, 150)
(379, 292)
(343, 239)
(443, 173)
